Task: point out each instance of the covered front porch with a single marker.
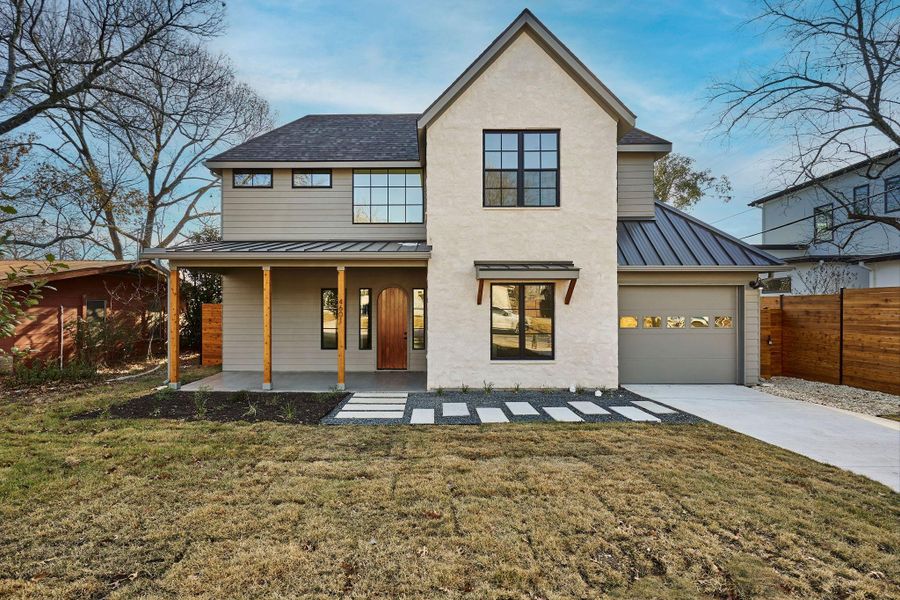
(311, 316)
(314, 381)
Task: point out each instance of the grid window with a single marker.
(522, 321)
(823, 223)
(892, 194)
(418, 341)
(388, 196)
(251, 178)
(521, 168)
(861, 199)
(311, 178)
(365, 319)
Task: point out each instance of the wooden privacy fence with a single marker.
(851, 338)
(211, 345)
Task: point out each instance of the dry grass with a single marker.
(163, 509)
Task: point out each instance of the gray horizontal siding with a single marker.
(296, 318)
(285, 213)
(635, 186)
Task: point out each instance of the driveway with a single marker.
(866, 445)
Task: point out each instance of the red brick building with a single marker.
(88, 290)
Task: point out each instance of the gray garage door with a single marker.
(678, 334)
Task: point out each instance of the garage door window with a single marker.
(628, 322)
(699, 322)
(724, 322)
(675, 322)
(652, 322)
(522, 321)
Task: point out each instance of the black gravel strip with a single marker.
(224, 407)
(536, 398)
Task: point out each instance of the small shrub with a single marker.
(439, 391)
(251, 410)
(545, 389)
(289, 411)
(487, 386)
(165, 394)
(201, 399)
(517, 388)
(464, 389)
(579, 390)
(38, 372)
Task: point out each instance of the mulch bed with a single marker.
(287, 407)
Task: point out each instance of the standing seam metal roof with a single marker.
(675, 239)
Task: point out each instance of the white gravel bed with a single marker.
(838, 396)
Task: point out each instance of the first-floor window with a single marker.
(329, 319)
(365, 318)
(522, 321)
(96, 310)
(418, 341)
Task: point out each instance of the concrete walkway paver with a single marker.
(865, 445)
(633, 413)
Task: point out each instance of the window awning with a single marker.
(526, 271)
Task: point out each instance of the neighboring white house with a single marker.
(807, 225)
(507, 235)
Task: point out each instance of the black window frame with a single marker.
(424, 317)
(269, 172)
(521, 294)
(354, 204)
(889, 181)
(89, 313)
(322, 345)
(865, 199)
(828, 211)
(368, 330)
(311, 172)
(520, 167)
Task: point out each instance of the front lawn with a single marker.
(157, 508)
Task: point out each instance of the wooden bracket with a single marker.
(480, 289)
(571, 289)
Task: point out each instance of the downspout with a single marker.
(871, 273)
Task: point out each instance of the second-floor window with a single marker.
(251, 178)
(823, 223)
(311, 178)
(388, 196)
(521, 168)
(861, 199)
(892, 194)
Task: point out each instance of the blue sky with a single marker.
(657, 56)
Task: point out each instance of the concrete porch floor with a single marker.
(313, 381)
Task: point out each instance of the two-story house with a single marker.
(508, 234)
(810, 225)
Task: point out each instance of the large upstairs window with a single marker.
(521, 168)
(388, 196)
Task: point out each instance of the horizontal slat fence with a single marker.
(211, 346)
(851, 338)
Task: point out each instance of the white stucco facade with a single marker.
(524, 88)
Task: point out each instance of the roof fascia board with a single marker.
(653, 148)
(90, 272)
(705, 268)
(526, 21)
(277, 256)
(336, 164)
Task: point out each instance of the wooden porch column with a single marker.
(267, 328)
(174, 348)
(341, 326)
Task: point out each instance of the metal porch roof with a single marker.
(296, 249)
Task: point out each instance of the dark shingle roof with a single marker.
(330, 138)
(675, 239)
(639, 136)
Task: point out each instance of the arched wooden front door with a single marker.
(393, 322)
